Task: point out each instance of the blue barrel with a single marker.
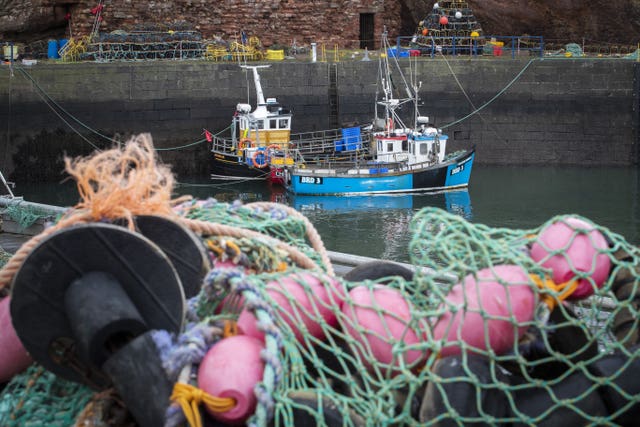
(61, 44)
(52, 51)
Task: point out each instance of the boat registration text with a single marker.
(310, 180)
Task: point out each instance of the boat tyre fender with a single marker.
(621, 383)
(375, 270)
(306, 404)
(456, 394)
(245, 143)
(627, 292)
(254, 159)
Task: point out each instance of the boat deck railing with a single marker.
(327, 141)
(357, 166)
(223, 145)
(309, 144)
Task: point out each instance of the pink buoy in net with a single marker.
(13, 357)
(570, 247)
(304, 301)
(232, 368)
(377, 319)
(488, 310)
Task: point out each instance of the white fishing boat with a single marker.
(260, 141)
(407, 154)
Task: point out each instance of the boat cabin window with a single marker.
(424, 148)
(389, 147)
(379, 145)
(284, 124)
(405, 145)
(260, 124)
(273, 124)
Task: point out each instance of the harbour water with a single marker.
(378, 226)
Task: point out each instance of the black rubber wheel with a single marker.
(38, 308)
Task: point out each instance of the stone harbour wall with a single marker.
(551, 111)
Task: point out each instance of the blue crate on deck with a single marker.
(352, 138)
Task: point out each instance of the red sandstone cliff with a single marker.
(280, 21)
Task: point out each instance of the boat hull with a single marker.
(448, 175)
(232, 167)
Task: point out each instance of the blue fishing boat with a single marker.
(406, 154)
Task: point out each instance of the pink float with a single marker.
(507, 306)
(232, 368)
(313, 302)
(377, 319)
(572, 245)
(13, 357)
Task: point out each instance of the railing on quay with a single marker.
(515, 46)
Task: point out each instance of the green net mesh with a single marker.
(4, 257)
(26, 215)
(39, 398)
(497, 326)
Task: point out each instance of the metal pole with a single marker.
(7, 186)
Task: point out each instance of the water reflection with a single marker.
(377, 226)
(369, 225)
(457, 202)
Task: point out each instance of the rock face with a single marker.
(562, 21)
(343, 22)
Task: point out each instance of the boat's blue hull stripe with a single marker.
(453, 175)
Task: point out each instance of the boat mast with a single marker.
(256, 81)
(387, 85)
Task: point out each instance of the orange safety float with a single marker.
(254, 159)
(244, 143)
(271, 148)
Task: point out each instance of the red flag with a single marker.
(208, 135)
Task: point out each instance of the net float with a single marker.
(232, 368)
(13, 357)
(303, 301)
(377, 319)
(573, 248)
(487, 310)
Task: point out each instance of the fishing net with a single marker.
(25, 216)
(4, 257)
(37, 398)
(496, 326)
